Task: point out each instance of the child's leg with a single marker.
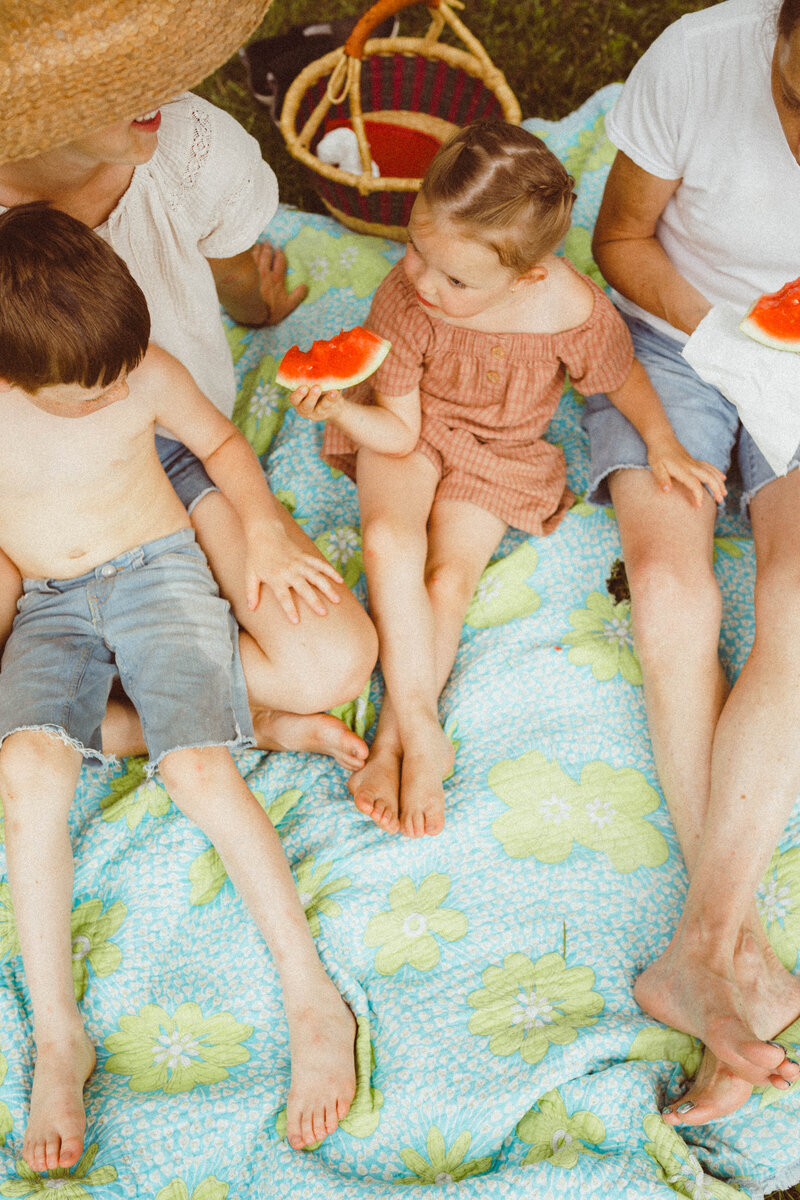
(293, 672)
(38, 773)
(395, 497)
(207, 787)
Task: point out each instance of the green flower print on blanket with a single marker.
(578, 249)
(442, 1165)
(679, 1167)
(172, 1054)
(528, 1006)
(364, 1114)
(316, 894)
(657, 1043)
(603, 639)
(322, 261)
(408, 933)
(503, 591)
(6, 1120)
(556, 1136)
(549, 812)
(9, 941)
(261, 404)
(208, 875)
(68, 1185)
(359, 714)
(342, 548)
(134, 796)
(592, 150)
(778, 902)
(209, 1188)
(91, 928)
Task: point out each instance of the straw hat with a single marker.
(70, 67)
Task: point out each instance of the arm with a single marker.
(389, 426)
(271, 556)
(638, 400)
(630, 255)
(252, 286)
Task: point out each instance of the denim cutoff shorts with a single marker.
(152, 615)
(706, 424)
(185, 472)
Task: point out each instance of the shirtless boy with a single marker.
(108, 559)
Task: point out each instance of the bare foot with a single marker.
(773, 1002)
(322, 1032)
(316, 733)
(376, 787)
(688, 993)
(54, 1136)
(425, 764)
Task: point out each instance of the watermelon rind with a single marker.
(754, 330)
(372, 360)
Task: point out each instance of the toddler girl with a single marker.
(446, 441)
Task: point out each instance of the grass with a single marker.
(554, 54)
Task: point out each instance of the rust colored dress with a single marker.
(487, 399)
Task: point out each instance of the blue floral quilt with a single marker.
(500, 1050)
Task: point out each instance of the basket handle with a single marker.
(354, 46)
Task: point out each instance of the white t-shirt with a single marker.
(205, 193)
(698, 107)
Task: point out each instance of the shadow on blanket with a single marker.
(491, 968)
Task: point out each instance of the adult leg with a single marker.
(709, 981)
(207, 787)
(38, 773)
(293, 672)
(395, 497)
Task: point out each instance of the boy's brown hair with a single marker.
(504, 183)
(70, 310)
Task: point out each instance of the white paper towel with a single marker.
(763, 383)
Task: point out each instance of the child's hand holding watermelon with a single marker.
(312, 402)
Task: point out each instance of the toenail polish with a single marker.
(687, 1106)
(782, 1084)
(777, 1046)
(665, 1112)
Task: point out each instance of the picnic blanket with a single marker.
(500, 1049)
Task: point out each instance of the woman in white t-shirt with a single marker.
(181, 193)
(702, 205)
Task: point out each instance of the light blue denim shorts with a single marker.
(706, 424)
(185, 472)
(152, 615)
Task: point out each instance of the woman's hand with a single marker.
(669, 461)
(316, 405)
(251, 286)
(274, 559)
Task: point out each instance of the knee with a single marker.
(30, 761)
(386, 538)
(450, 584)
(672, 602)
(191, 774)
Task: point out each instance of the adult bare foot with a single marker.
(376, 787)
(688, 993)
(57, 1123)
(773, 1002)
(315, 733)
(426, 761)
(322, 1032)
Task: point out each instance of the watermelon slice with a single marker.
(338, 363)
(774, 319)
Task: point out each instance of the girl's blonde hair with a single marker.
(505, 184)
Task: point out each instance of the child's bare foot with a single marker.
(322, 1032)
(426, 761)
(772, 995)
(316, 733)
(57, 1124)
(375, 788)
(686, 991)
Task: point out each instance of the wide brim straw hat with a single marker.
(71, 67)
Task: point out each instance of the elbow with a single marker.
(405, 444)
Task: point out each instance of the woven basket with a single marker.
(402, 97)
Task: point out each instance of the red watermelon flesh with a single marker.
(338, 363)
(774, 319)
